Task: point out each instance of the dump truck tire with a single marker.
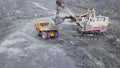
(39, 33)
(48, 35)
(45, 35)
(56, 34)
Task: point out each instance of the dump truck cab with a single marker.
(46, 29)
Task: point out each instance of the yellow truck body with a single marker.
(46, 29)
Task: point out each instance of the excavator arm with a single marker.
(64, 6)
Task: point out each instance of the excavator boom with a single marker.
(61, 4)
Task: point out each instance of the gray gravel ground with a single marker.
(20, 47)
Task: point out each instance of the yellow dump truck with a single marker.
(46, 29)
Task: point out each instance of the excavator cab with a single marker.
(93, 23)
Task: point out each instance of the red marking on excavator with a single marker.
(97, 28)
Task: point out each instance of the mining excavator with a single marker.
(87, 22)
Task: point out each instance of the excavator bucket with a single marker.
(58, 20)
(59, 2)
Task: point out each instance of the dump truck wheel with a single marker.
(48, 35)
(44, 35)
(39, 33)
(56, 34)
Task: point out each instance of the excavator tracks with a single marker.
(93, 36)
